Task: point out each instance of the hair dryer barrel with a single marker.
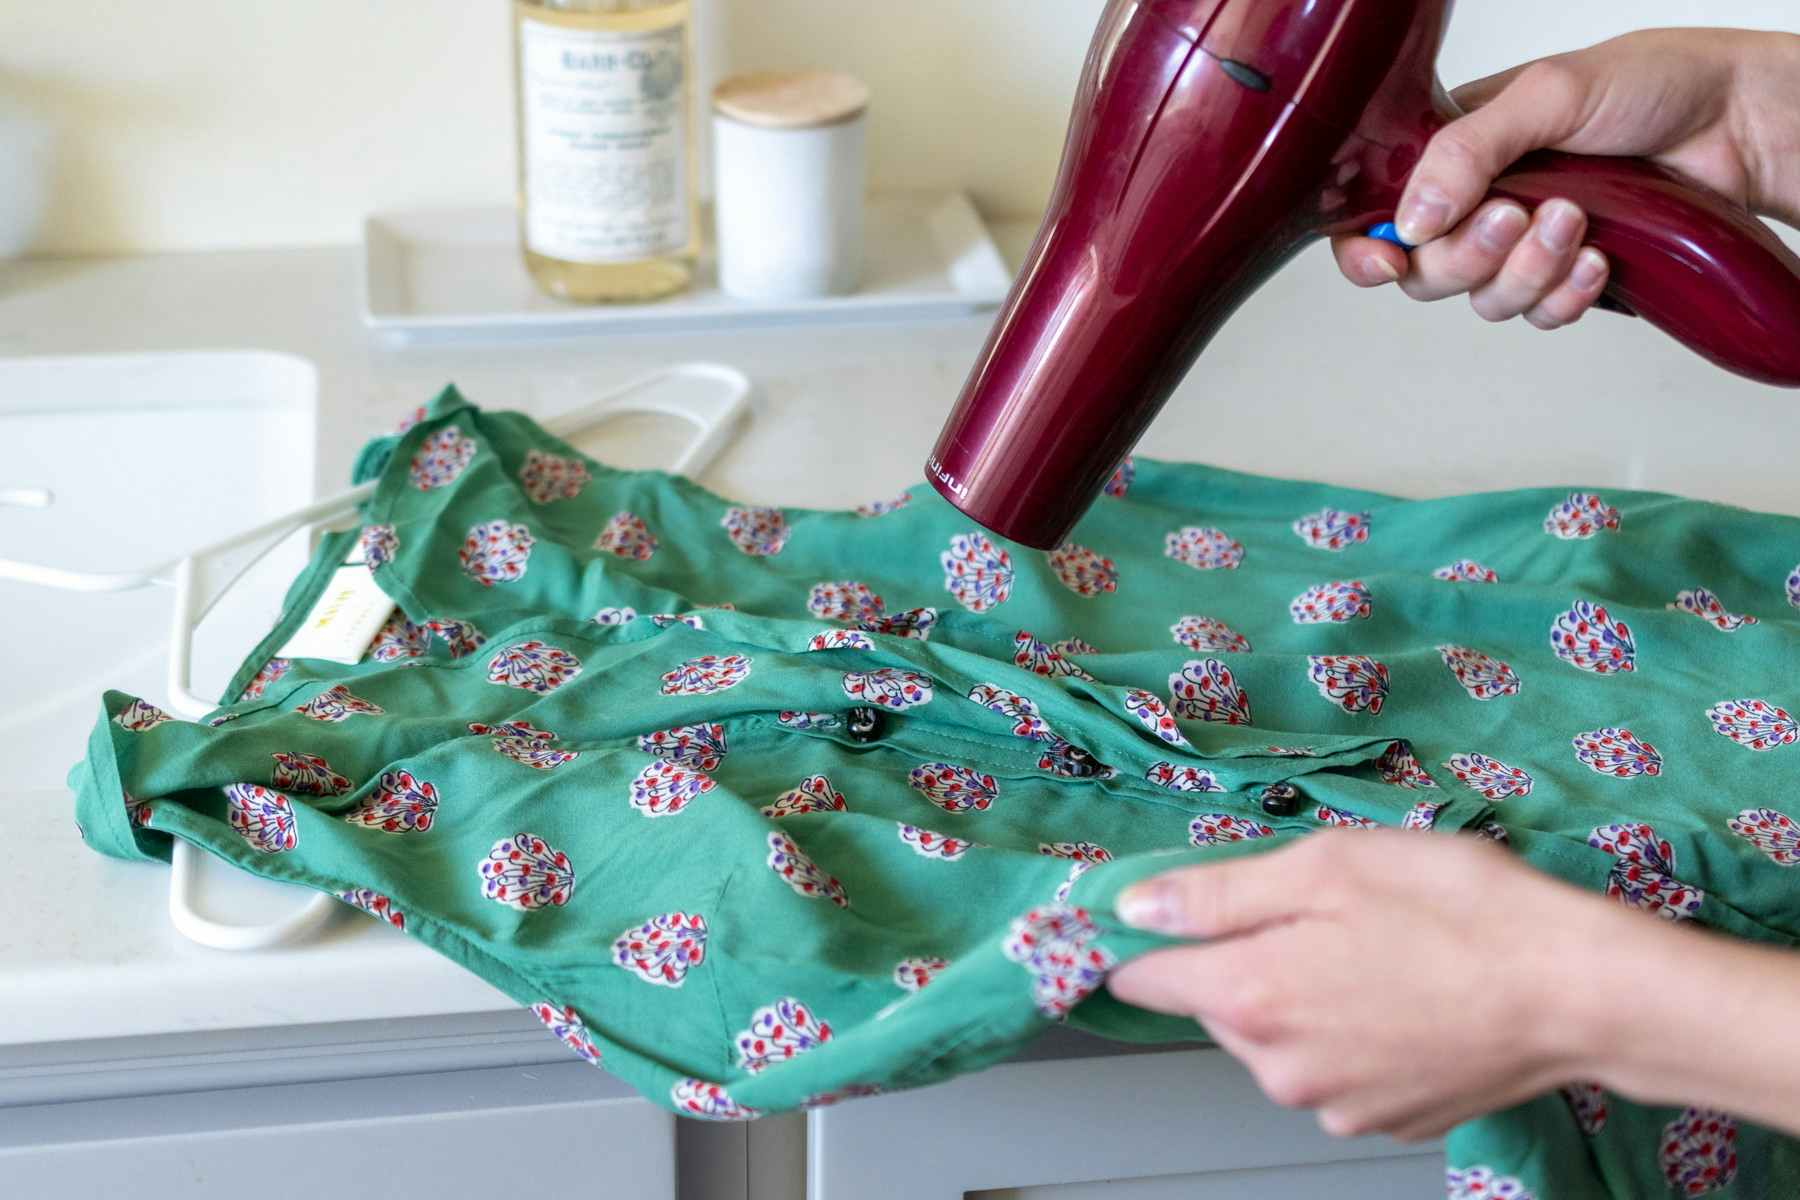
(1181, 192)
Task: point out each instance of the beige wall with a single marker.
(199, 123)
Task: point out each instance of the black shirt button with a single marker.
(863, 725)
(1079, 763)
(1281, 800)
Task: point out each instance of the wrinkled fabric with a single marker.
(763, 809)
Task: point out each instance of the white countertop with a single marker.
(1312, 379)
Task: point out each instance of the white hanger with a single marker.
(716, 413)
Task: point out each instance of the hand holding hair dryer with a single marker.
(1212, 140)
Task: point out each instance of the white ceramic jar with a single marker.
(789, 168)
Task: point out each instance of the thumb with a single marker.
(1232, 898)
(1541, 105)
(1471, 96)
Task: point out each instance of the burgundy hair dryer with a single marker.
(1212, 140)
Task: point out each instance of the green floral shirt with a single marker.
(766, 809)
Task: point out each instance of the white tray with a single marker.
(449, 273)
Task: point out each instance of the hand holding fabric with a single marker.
(1403, 984)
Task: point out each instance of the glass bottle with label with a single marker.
(607, 207)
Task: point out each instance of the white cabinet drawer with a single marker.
(1123, 1126)
(565, 1129)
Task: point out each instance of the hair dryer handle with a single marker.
(1685, 259)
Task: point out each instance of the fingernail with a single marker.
(1559, 223)
(1501, 228)
(1425, 216)
(1590, 269)
(1146, 906)
(1380, 269)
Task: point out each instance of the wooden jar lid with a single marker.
(791, 99)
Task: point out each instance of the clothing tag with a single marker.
(349, 613)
